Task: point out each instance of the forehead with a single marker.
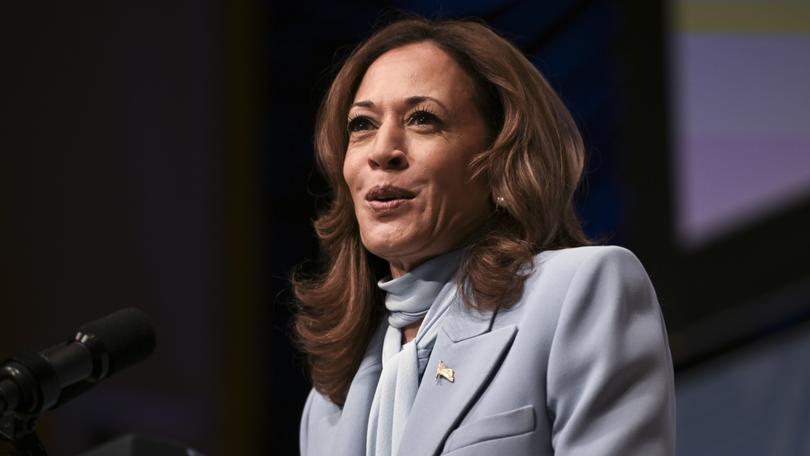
(420, 69)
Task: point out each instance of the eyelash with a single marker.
(425, 112)
(354, 123)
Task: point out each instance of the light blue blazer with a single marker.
(579, 366)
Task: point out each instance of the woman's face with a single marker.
(413, 129)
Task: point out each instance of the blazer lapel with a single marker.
(466, 345)
(352, 425)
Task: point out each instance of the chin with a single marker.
(387, 250)
(389, 247)
(405, 252)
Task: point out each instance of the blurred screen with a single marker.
(740, 79)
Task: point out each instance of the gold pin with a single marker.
(444, 371)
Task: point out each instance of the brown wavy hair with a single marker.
(533, 164)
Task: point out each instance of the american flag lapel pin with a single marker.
(444, 371)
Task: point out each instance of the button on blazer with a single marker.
(580, 365)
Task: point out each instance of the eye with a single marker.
(359, 123)
(423, 117)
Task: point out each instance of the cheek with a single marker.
(350, 174)
(452, 177)
(462, 196)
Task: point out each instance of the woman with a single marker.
(493, 329)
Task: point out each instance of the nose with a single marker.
(388, 150)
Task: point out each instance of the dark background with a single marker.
(158, 155)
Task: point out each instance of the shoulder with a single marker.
(593, 279)
(581, 280)
(316, 408)
(572, 259)
(556, 271)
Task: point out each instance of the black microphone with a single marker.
(31, 383)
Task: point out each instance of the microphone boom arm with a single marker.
(33, 383)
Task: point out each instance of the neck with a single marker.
(409, 332)
(399, 267)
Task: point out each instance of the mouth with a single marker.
(383, 198)
(388, 193)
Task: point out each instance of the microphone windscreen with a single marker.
(127, 336)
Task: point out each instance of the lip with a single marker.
(387, 198)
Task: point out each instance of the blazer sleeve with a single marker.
(610, 387)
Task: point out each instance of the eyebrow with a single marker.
(409, 102)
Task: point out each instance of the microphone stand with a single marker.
(26, 401)
(19, 430)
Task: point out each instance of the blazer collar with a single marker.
(462, 323)
(466, 345)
